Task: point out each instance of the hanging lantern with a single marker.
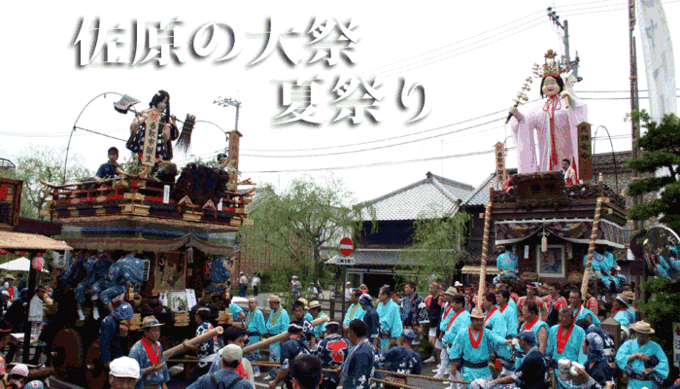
(544, 242)
(190, 255)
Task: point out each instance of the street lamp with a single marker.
(228, 101)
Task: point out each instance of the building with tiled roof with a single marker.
(378, 253)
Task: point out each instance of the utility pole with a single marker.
(566, 60)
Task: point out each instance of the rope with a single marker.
(391, 383)
(424, 377)
(276, 364)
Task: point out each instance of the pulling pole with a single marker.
(179, 349)
(593, 239)
(280, 337)
(485, 252)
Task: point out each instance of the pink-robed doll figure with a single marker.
(555, 122)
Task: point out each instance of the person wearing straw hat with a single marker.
(331, 351)
(621, 313)
(277, 322)
(474, 346)
(315, 311)
(148, 352)
(10, 288)
(291, 348)
(642, 359)
(231, 356)
(124, 373)
(390, 319)
(371, 319)
(355, 311)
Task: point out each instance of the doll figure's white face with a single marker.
(550, 87)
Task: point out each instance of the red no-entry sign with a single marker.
(346, 246)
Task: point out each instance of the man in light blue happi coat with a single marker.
(473, 347)
(643, 360)
(277, 322)
(390, 319)
(256, 328)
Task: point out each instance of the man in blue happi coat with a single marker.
(235, 311)
(401, 359)
(332, 351)
(206, 351)
(473, 347)
(149, 354)
(643, 360)
(256, 329)
(305, 320)
(355, 311)
(359, 365)
(390, 319)
(621, 313)
(110, 346)
(277, 322)
(372, 321)
(290, 349)
(532, 373)
(565, 339)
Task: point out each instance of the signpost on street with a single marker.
(346, 249)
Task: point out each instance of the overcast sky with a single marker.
(471, 59)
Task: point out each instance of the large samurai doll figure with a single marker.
(127, 271)
(153, 130)
(97, 270)
(218, 271)
(554, 122)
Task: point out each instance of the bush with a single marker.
(661, 310)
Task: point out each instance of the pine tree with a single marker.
(660, 161)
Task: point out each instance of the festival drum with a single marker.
(68, 355)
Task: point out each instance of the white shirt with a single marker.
(348, 293)
(256, 281)
(35, 309)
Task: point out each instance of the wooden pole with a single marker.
(485, 253)
(179, 349)
(591, 246)
(32, 284)
(277, 338)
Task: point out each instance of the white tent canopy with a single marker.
(19, 264)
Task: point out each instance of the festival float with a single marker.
(552, 217)
(165, 243)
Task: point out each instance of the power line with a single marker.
(375, 164)
(448, 45)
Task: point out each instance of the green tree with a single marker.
(293, 226)
(47, 164)
(660, 160)
(661, 309)
(437, 248)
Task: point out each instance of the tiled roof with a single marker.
(480, 195)
(419, 198)
(605, 162)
